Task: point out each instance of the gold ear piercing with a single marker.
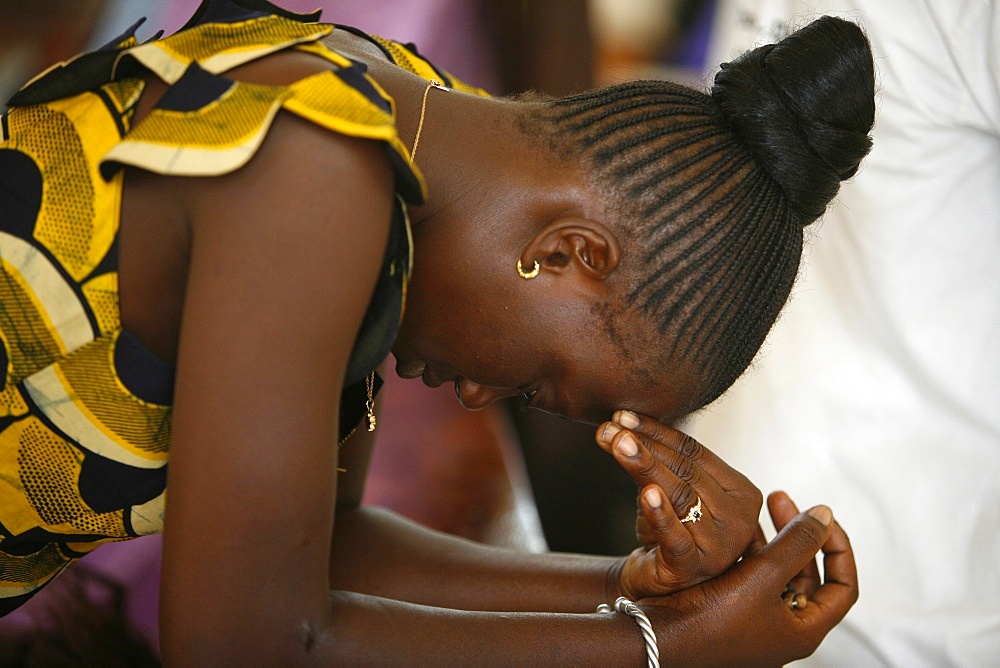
(528, 275)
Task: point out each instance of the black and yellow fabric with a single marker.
(85, 407)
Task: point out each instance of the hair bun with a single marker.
(804, 107)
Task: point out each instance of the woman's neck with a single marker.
(470, 148)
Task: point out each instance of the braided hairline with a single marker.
(720, 247)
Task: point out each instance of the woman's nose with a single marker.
(474, 396)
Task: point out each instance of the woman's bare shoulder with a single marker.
(285, 253)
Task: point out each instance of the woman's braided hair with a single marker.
(713, 190)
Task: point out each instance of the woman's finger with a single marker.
(794, 547)
(839, 590)
(676, 543)
(637, 458)
(783, 510)
(713, 465)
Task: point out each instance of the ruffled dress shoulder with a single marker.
(85, 407)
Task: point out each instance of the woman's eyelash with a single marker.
(526, 398)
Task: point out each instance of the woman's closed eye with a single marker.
(526, 396)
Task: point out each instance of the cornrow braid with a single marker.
(710, 192)
(719, 246)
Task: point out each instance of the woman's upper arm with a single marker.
(284, 257)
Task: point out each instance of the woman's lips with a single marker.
(410, 369)
(430, 375)
(434, 377)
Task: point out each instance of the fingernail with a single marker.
(628, 419)
(627, 446)
(823, 514)
(610, 429)
(653, 498)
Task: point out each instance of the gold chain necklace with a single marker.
(433, 83)
(370, 379)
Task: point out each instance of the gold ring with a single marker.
(694, 513)
(795, 601)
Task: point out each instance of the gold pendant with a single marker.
(370, 404)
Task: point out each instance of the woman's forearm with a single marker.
(377, 552)
(375, 631)
(739, 618)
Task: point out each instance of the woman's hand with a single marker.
(806, 582)
(740, 618)
(683, 543)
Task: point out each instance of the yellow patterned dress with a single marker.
(85, 407)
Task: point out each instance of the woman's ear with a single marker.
(574, 245)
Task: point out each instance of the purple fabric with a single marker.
(134, 564)
(450, 33)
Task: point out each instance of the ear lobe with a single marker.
(575, 244)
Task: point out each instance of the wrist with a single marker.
(625, 606)
(613, 580)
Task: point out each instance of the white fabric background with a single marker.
(879, 390)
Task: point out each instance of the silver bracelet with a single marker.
(648, 637)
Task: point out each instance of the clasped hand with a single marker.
(753, 602)
(679, 479)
